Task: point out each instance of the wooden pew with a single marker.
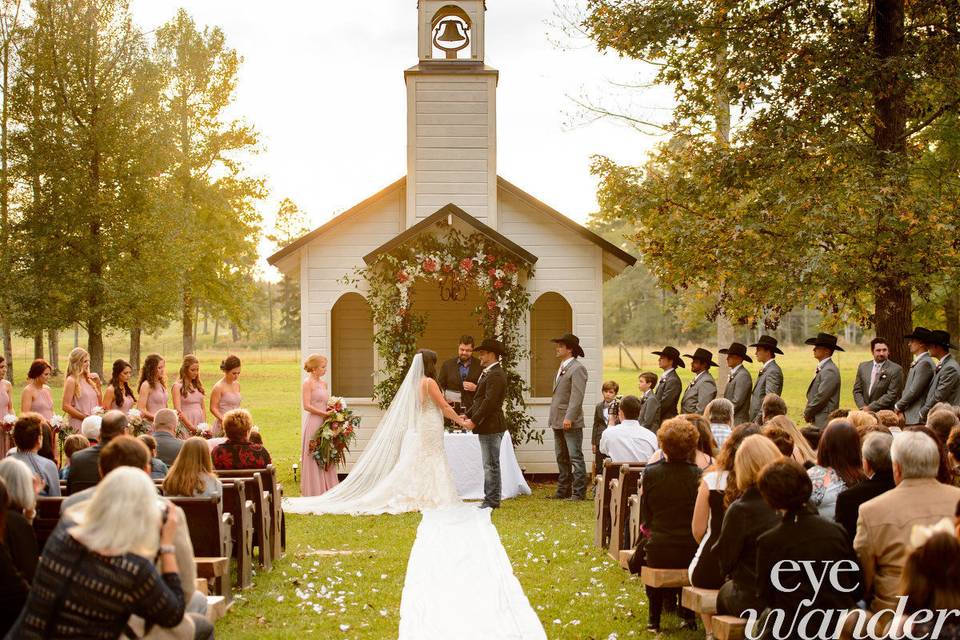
(243, 511)
(210, 535)
(729, 627)
(701, 601)
(664, 578)
(601, 500)
(277, 526)
(262, 523)
(620, 489)
(48, 515)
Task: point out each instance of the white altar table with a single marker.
(463, 455)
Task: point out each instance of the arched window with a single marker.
(351, 347)
(550, 317)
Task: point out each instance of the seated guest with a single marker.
(667, 495)
(838, 466)
(802, 451)
(192, 473)
(704, 569)
(601, 418)
(773, 406)
(931, 582)
(838, 414)
(801, 536)
(71, 444)
(945, 472)
(702, 456)
(28, 434)
(745, 520)
(47, 444)
(238, 452)
(84, 464)
(255, 437)
(891, 420)
(90, 428)
(878, 469)
(780, 438)
(158, 469)
(109, 548)
(19, 537)
(884, 525)
(953, 451)
(942, 422)
(627, 441)
(862, 421)
(14, 586)
(165, 433)
(719, 412)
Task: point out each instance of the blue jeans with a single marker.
(490, 454)
(568, 446)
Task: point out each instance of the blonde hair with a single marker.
(799, 441)
(74, 368)
(237, 424)
(862, 421)
(754, 454)
(18, 478)
(313, 361)
(185, 477)
(121, 517)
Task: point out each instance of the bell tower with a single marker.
(451, 114)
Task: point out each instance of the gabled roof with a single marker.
(445, 216)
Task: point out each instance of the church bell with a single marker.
(451, 32)
(451, 37)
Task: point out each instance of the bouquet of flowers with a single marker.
(331, 443)
(204, 431)
(61, 428)
(8, 421)
(182, 431)
(138, 426)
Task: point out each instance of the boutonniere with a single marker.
(883, 376)
(562, 371)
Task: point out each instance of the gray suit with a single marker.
(769, 380)
(668, 394)
(945, 386)
(823, 394)
(650, 411)
(915, 390)
(567, 404)
(737, 391)
(699, 393)
(885, 392)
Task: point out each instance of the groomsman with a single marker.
(703, 388)
(879, 381)
(566, 418)
(739, 382)
(823, 394)
(669, 387)
(649, 405)
(770, 378)
(945, 386)
(918, 377)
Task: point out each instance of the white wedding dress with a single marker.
(403, 467)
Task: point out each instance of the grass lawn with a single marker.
(342, 577)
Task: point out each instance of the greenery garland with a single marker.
(456, 260)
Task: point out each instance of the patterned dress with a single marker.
(240, 455)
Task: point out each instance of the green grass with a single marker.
(341, 570)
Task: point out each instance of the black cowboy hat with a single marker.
(702, 355)
(673, 354)
(571, 341)
(921, 334)
(824, 340)
(737, 349)
(941, 338)
(768, 342)
(491, 345)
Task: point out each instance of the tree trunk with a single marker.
(196, 325)
(893, 317)
(187, 321)
(270, 308)
(216, 330)
(53, 347)
(951, 310)
(95, 344)
(135, 350)
(206, 329)
(234, 332)
(8, 350)
(724, 338)
(38, 346)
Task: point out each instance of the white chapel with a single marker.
(452, 185)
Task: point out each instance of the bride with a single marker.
(403, 467)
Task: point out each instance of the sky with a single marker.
(322, 82)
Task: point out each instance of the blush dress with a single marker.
(314, 481)
(42, 403)
(229, 400)
(86, 402)
(6, 441)
(157, 399)
(192, 405)
(128, 403)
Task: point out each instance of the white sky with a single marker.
(323, 83)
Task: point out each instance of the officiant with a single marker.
(458, 376)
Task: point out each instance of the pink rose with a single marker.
(430, 266)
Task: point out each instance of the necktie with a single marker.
(873, 378)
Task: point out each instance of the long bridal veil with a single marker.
(379, 457)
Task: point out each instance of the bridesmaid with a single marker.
(81, 389)
(314, 480)
(152, 386)
(36, 395)
(119, 395)
(6, 407)
(226, 393)
(188, 394)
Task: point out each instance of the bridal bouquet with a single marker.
(204, 431)
(138, 426)
(332, 441)
(62, 429)
(8, 421)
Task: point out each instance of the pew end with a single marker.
(664, 578)
(729, 628)
(702, 601)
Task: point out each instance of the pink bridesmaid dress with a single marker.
(85, 403)
(157, 399)
(192, 405)
(229, 400)
(314, 480)
(128, 403)
(42, 403)
(6, 441)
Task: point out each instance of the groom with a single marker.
(486, 417)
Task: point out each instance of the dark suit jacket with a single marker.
(84, 469)
(599, 424)
(885, 392)
(849, 500)
(668, 395)
(168, 446)
(487, 408)
(449, 378)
